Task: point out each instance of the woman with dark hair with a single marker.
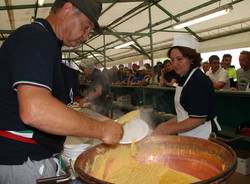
(194, 97)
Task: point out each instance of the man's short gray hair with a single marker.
(88, 63)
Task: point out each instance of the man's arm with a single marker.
(222, 81)
(219, 85)
(39, 109)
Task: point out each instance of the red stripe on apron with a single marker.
(16, 137)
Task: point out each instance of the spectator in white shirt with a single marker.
(205, 66)
(217, 74)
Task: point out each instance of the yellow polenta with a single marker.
(119, 167)
(128, 117)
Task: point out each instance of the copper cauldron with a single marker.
(210, 161)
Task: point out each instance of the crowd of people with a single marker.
(222, 73)
(161, 74)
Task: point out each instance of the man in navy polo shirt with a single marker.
(34, 117)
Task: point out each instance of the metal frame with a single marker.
(124, 36)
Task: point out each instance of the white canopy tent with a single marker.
(149, 23)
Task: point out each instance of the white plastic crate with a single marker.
(243, 166)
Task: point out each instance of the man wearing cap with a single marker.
(34, 117)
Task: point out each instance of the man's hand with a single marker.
(84, 102)
(111, 132)
(86, 105)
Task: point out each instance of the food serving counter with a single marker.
(232, 107)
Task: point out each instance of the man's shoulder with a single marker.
(97, 72)
(33, 33)
(240, 71)
(209, 72)
(27, 29)
(96, 75)
(222, 70)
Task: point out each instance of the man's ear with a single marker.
(67, 8)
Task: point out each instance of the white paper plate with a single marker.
(135, 130)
